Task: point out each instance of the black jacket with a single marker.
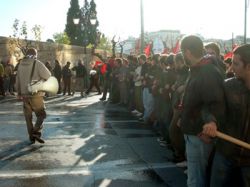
(237, 121)
(203, 100)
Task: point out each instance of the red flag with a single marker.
(176, 49)
(97, 63)
(165, 50)
(147, 50)
(228, 55)
(103, 69)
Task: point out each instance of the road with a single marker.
(88, 143)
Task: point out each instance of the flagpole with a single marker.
(142, 28)
(245, 23)
(232, 41)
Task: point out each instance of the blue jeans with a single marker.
(198, 154)
(226, 173)
(148, 104)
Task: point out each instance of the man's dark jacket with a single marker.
(237, 122)
(203, 100)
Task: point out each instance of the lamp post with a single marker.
(245, 23)
(142, 28)
(76, 21)
(88, 33)
(81, 20)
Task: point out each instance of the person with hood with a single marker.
(29, 70)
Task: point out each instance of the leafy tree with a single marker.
(105, 43)
(61, 38)
(84, 22)
(85, 33)
(24, 31)
(18, 43)
(50, 40)
(71, 29)
(37, 31)
(94, 34)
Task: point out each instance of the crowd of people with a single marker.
(7, 78)
(186, 97)
(70, 79)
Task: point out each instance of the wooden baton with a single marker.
(232, 140)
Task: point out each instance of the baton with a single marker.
(232, 140)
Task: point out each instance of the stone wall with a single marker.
(47, 52)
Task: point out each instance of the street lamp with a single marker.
(245, 23)
(142, 27)
(76, 21)
(88, 34)
(93, 21)
(92, 18)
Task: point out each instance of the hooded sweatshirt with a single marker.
(24, 72)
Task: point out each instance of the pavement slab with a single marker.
(87, 143)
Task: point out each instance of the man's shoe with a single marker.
(102, 99)
(161, 139)
(140, 115)
(141, 119)
(182, 164)
(135, 112)
(38, 138)
(32, 140)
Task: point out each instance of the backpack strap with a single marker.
(32, 71)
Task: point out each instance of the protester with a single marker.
(203, 104)
(2, 79)
(231, 165)
(123, 78)
(57, 71)
(229, 70)
(115, 91)
(213, 49)
(94, 78)
(79, 79)
(48, 66)
(8, 78)
(138, 77)
(67, 74)
(29, 70)
(106, 70)
(167, 80)
(175, 133)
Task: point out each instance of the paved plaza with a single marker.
(88, 143)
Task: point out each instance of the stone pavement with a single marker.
(88, 143)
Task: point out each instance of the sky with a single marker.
(211, 18)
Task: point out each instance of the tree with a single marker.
(105, 44)
(18, 43)
(37, 31)
(84, 25)
(71, 29)
(61, 38)
(85, 33)
(94, 34)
